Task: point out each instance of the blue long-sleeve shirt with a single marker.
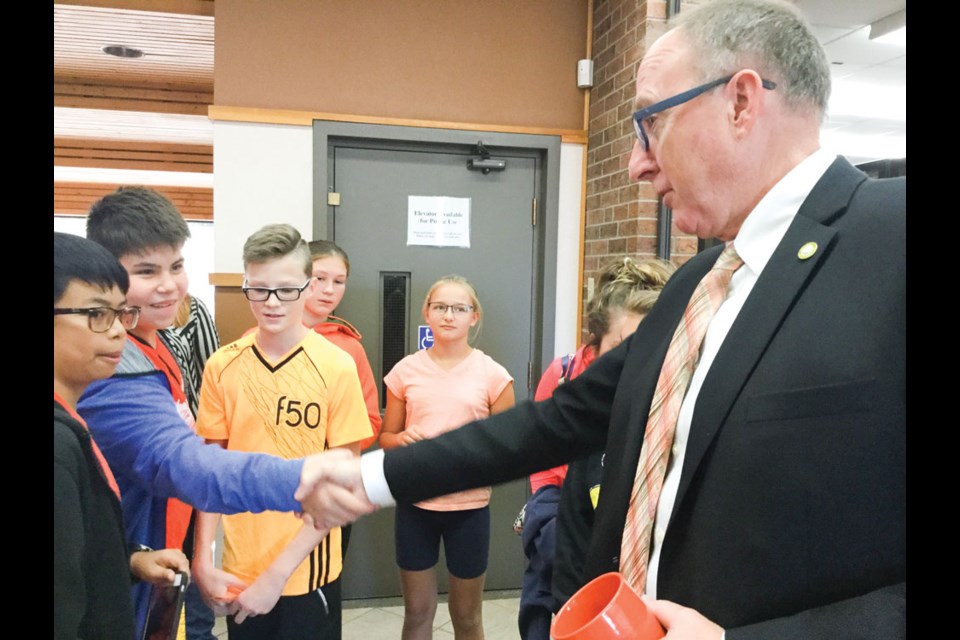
(155, 455)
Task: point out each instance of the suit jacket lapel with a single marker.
(782, 281)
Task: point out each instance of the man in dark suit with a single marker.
(783, 508)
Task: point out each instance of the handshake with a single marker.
(331, 494)
(331, 490)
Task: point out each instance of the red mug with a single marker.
(606, 608)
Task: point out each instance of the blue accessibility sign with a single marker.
(424, 337)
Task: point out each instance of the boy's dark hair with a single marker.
(76, 258)
(133, 219)
(277, 241)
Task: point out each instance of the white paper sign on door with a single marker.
(438, 221)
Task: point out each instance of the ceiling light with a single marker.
(888, 24)
(897, 37)
(122, 51)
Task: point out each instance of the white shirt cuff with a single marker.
(374, 482)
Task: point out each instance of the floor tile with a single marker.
(374, 624)
(499, 620)
(351, 614)
(385, 622)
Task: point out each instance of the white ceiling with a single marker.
(867, 117)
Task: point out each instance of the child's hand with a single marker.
(218, 588)
(158, 567)
(409, 436)
(260, 597)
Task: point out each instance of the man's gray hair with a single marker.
(769, 36)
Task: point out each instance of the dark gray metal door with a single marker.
(385, 293)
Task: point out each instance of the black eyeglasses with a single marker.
(284, 294)
(100, 319)
(647, 112)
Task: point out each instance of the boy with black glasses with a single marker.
(91, 563)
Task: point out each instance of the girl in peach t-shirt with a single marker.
(428, 393)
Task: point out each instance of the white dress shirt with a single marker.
(760, 234)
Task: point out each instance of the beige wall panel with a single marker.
(496, 61)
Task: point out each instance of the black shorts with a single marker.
(312, 616)
(465, 535)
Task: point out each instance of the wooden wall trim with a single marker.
(120, 154)
(226, 279)
(583, 179)
(306, 118)
(75, 198)
(89, 93)
(233, 315)
(186, 7)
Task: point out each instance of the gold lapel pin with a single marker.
(807, 250)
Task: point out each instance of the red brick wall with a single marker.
(621, 216)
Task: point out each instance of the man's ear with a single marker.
(747, 96)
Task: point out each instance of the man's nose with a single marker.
(643, 166)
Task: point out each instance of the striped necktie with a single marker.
(681, 359)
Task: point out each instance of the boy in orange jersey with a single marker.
(284, 390)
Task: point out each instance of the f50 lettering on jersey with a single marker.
(293, 413)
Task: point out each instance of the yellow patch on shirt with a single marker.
(595, 495)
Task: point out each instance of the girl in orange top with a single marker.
(428, 393)
(331, 268)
